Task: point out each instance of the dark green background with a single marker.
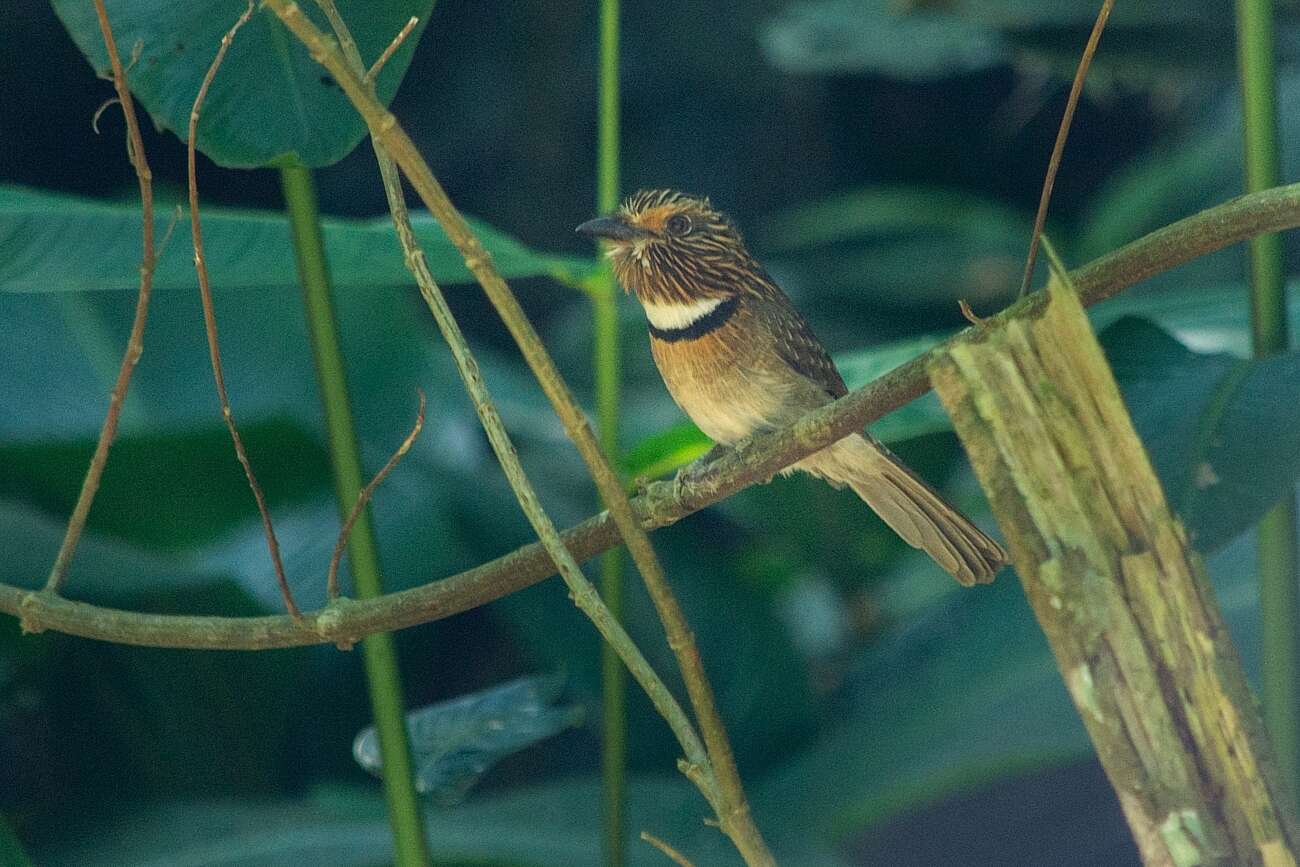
(882, 167)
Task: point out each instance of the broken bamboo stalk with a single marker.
(1122, 597)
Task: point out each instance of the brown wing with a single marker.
(796, 343)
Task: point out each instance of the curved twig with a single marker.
(135, 342)
(332, 582)
(1058, 148)
(210, 317)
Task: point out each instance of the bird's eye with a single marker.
(678, 224)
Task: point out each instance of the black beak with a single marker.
(611, 228)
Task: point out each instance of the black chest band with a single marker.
(706, 324)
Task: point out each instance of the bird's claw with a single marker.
(696, 469)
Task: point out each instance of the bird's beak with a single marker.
(611, 228)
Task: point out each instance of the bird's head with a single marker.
(669, 247)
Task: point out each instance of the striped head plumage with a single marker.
(672, 248)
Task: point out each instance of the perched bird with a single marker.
(738, 358)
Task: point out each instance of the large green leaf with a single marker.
(57, 359)
(169, 491)
(270, 102)
(57, 243)
(1204, 318)
(1223, 432)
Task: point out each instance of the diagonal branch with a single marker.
(663, 503)
(1058, 149)
(332, 575)
(210, 316)
(734, 816)
(135, 342)
(584, 594)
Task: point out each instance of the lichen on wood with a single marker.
(1121, 596)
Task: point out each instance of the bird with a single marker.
(738, 359)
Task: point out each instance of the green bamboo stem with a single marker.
(378, 651)
(608, 367)
(1279, 582)
(1119, 593)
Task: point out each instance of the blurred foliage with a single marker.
(889, 177)
(920, 39)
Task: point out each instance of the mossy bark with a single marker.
(1120, 594)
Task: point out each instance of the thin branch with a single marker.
(210, 316)
(378, 66)
(332, 583)
(663, 503)
(676, 857)
(1058, 149)
(736, 820)
(135, 341)
(584, 594)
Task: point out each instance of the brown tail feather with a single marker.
(910, 507)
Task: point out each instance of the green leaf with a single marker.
(150, 492)
(455, 742)
(57, 243)
(59, 354)
(106, 571)
(1223, 432)
(1204, 318)
(663, 452)
(270, 102)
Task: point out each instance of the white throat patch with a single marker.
(674, 317)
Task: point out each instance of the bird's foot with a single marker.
(696, 469)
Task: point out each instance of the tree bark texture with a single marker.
(1122, 597)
